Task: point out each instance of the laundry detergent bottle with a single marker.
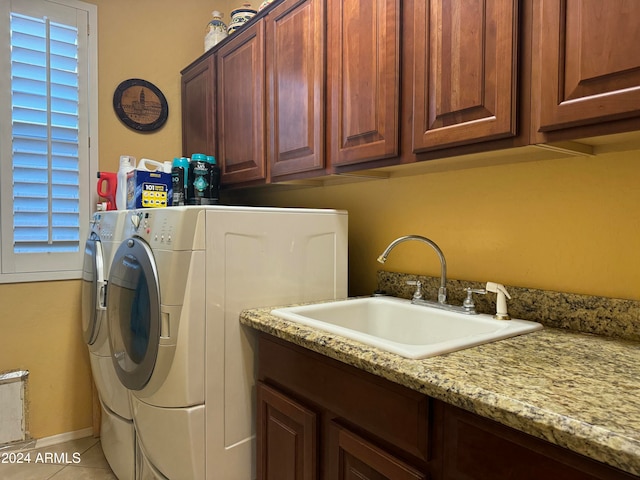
(214, 180)
(127, 165)
(199, 192)
(180, 180)
(107, 187)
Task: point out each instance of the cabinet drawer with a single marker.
(396, 415)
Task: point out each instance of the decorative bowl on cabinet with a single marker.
(240, 16)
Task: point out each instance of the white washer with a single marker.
(176, 288)
(117, 429)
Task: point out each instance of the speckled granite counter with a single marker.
(576, 390)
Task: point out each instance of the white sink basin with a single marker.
(397, 326)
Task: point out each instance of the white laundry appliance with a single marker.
(176, 288)
(117, 433)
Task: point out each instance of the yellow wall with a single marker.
(40, 327)
(569, 225)
(152, 40)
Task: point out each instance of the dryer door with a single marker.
(93, 288)
(133, 312)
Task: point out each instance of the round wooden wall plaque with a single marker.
(140, 105)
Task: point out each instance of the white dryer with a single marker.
(117, 429)
(176, 288)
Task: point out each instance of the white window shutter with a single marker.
(50, 162)
(44, 90)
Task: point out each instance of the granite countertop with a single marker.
(576, 390)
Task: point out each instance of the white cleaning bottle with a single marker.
(127, 164)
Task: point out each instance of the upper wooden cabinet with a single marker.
(198, 108)
(241, 106)
(586, 62)
(295, 87)
(314, 87)
(363, 80)
(464, 74)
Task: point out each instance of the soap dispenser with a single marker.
(501, 300)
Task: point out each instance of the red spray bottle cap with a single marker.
(106, 187)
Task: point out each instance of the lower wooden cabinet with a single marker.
(287, 434)
(288, 446)
(318, 418)
(471, 447)
(321, 419)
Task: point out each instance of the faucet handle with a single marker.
(417, 295)
(468, 303)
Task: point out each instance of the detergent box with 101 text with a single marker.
(149, 189)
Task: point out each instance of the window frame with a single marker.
(29, 267)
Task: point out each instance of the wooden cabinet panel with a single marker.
(198, 108)
(363, 81)
(353, 395)
(475, 448)
(295, 87)
(476, 75)
(360, 421)
(586, 61)
(465, 71)
(286, 433)
(353, 458)
(241, 106)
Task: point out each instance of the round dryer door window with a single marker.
(133, 308)
(93, 288)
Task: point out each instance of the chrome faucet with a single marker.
(468, 306)
(442, 291)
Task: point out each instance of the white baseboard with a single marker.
(63, 437)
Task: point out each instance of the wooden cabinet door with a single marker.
(586, 61)
(363, 80)
(198, 108)
(475, 448)
(465, 68)
(241, 107)
(353, 458)
(286, 437)
(295, 87)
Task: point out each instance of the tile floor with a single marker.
(80, 459)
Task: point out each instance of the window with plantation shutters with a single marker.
(47, 164)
